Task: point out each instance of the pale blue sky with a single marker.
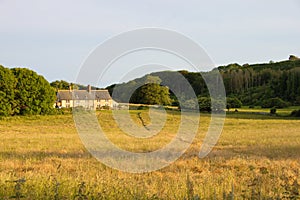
(54, 37)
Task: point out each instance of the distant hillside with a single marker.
(252, 84)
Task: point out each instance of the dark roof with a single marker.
(83, 94)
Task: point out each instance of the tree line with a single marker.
(254, 84)
(274, 84)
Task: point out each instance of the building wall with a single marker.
(66, 103)
(92, 104)
(102, 102)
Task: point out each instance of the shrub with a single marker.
(273, 111)
(143, 108)
(218, 105)
(295, 113)
(175, 103)
(190, 104)
(274, 102)
(204, 104)
(233, 103)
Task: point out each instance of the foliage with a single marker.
(233, 103)
(33, 93)
(152, 94)
(250, 83)
(273, 111)
(22, 91)
(204, 104)
(295, 113)
(190, 104)
(218, 105)
(7, 93)
(255, 83)
(274, 102)
(60, 85)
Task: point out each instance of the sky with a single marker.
(55, 37)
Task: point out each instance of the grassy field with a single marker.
(256, 157)
(257, 109)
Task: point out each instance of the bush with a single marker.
(218, 105)
(273, 111)
(175, 103)
(234, 102)
(204, 104)
(143, 108)
(190, 104)
(274, 102)
(295, 113)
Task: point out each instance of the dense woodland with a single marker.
(273, 84)
(267, 85)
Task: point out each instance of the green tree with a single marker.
(274, 102)
(152, 79)
(33, 93)
(190, 104)
(151, 93)
(233, 103)
(60, 85)
(204, 104)
(7, 84)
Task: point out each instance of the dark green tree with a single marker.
(7, 86)
(33, 93)
(152, 94)
(233, 103)
(274, 102)
(60, 85)
(190, 104)
(204, 104)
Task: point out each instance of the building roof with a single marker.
(83, 95)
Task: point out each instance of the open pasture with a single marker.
(256, 157)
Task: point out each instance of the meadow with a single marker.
(256, 157)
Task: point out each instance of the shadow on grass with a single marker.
(271, 152)
(258, 116)
(39, 155)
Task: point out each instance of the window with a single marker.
(67, 101)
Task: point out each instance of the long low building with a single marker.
(89, 99)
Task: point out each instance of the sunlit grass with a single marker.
(256, 155)
(257, 109)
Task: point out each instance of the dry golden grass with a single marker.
(257, 157)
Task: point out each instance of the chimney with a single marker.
(89, 88)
